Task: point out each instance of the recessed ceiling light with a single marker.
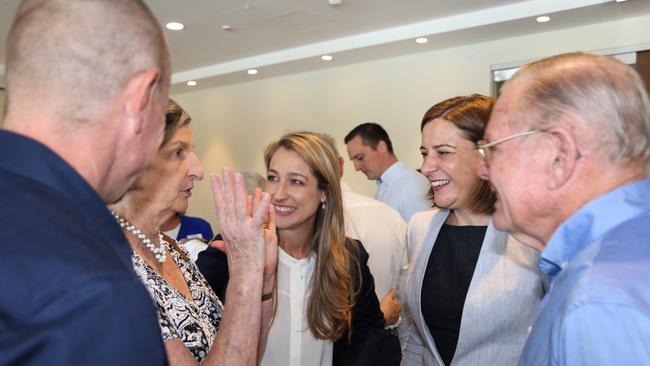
(175, 26)
(191, 83)
(421, 40)
(252, 71)
(543, 19)
(620, 1)
(326, 58)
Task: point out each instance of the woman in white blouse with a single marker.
(326, 310)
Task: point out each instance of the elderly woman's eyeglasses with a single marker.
(484, 148)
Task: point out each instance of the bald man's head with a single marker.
(78, 53)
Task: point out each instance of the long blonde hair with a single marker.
(330, 303)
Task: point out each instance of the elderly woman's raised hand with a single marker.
(241, 229)
(270, 239)
(240, 222)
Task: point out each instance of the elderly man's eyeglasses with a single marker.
(484, 148)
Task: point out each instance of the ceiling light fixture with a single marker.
(252, 71)
(326, 58)
(543, 19)
(620, 1)
(191, 83)
(175, 26)
(421, 40)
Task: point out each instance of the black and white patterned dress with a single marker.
(194, 322)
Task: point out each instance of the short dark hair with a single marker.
(470, 115)
(371, 133)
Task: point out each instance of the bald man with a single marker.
(566, 150)
(87, 86)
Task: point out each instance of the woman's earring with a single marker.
(323, 206)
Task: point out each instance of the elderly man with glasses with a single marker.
(566, 151)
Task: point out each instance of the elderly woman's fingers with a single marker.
(217, 193)
(239, 190)
(249, 206)
(270, 246)
(256, 197)
(270, 235)
(261, 210)
(271, 218)
(228, 188)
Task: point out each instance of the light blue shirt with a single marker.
(404, 189)
(597, 310)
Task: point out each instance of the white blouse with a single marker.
(290, 342)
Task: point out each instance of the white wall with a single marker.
(233, 124)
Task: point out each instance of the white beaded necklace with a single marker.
(159, 252)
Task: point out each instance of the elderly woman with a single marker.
(327, 311)
(194, 325)
(472, 289)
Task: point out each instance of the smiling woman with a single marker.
(327, 310)
(463, 270)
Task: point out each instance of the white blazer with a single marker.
(500, 304)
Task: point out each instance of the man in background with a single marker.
(371, 152)
(566, 150)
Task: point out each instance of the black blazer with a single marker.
(370, 345)
(213, 264)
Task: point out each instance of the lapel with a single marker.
(488, 279)
(487, 275)
(418, 275)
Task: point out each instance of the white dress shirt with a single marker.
(382, 231)
(404, 189)
(290, 341)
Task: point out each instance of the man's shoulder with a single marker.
(372, 216)
(411, 182)
(194, 220)
(618, 272)
(195, 223)
(48, 242)
(353, 200)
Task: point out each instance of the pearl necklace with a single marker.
(159, 252)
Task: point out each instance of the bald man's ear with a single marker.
(563, 159)
(140, 97)
(341, 165)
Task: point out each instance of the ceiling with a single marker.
(280, 37)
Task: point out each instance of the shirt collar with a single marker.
(392, 172)
(592, 221)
